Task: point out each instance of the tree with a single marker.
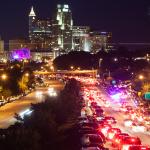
(6, 93)
(23, 82)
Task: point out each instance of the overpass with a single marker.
(68, 72)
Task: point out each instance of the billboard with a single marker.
(20, 54)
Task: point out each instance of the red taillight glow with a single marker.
(117, 141)
(111, 135)
(142, 148)
(132, 140)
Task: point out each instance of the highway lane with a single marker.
(7, 111)
(120, 117)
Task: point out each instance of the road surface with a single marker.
(7, 111)
(94, 93)
(120, 117)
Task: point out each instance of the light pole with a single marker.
(3, 77)
(27, 74)
(72, 67)
(141, 77)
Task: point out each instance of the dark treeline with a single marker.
(121, 63)
(52, 124)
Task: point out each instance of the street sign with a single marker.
(147, 96)
(113, 82)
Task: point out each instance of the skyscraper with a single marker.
(32, 23)
(39, 31)
(65, 24)
(60, 36)
(1, 45)
(80, 38)
(100, 41)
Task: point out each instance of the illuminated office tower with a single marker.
(1, 45)
(81, 38)
(64, 24)
(100, 41)
(32, 23)
(39, 31)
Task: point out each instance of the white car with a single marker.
(139, 128)
(128, 122)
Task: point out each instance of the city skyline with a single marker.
(127, 22)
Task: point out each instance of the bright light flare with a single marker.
(4, 76)
(53, 94)
(128, 123)
(116, 96)
(139, 128)
(50, 89)
(25, 113)
(38, 93)
(111, 136)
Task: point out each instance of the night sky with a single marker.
(128, 20)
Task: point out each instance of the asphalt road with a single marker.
(7, 111)
(120, 117)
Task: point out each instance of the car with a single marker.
(112, 132)
(128, 122)
(127, 141)
(117, 138)
(93, 104)
(129, 109)
(139, 128)
(110, 120)
(87, 139)
(138, 147)
(94, 147)
(99, 112)
(82, 119)
(104, 128)
(89, 124)
(91, 148)
(83, 130)
(2, 102)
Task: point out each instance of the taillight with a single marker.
(111, 135)
(117, 141)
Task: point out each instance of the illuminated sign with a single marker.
(20, 54)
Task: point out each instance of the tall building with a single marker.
(17, 44)
(100, 41)
(62, 29)
(39, 31)
(1, 45)
(80, 38)
(32, 24)
(60, 36)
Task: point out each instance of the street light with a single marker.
(115, 59)
(52, 68)
(100, 61)
(72, 67)
(4, 76)
(27, 74)
(141, 77)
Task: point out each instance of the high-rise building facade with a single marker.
(17, 44)
(39, 31)
(64, 23)
(100, 41)
(1, 45)
(60, 36)
(80, 37)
